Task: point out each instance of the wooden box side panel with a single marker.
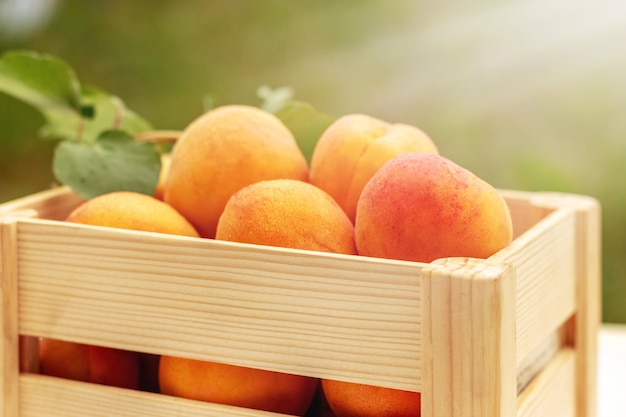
(553, 391)
(290, 311)
(53, 204)
(545, 263)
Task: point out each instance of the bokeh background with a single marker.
(528, 94)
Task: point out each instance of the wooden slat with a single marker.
(309, 313)
(468, 332)
(544, 260)
(587, 275)
(552, 393)
(53, 204)
(44, 396)
(9, 352)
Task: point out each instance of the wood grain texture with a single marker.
(552, 393)
(52, 204)
(9, 351)
(43, 396)
(544, 260)
(468, 332)
(291, 311)
(588, 276)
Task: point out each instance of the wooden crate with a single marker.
(463, 332)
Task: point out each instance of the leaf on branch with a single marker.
(71, 111)
(306, 124)
(114, 162)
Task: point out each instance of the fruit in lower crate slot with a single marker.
(64, 359)
(115, 367)
(235, 385)
(221, 152)
(421, 207)
(348, 399)
(124, 210)
(284, 213)
(353, 148)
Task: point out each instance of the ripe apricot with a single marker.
(353, 148)
(347, 399)
(421, 207)
(64, 359)
(285, 213)
(221, 152)
(236, 385)
(165, 167)
(134, 211)
(125, 210)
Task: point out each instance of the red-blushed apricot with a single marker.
(287, 213)
(221, 152)
(353, 148)
(103, 365)
(347, 399)
(421, 207)
(236, 385)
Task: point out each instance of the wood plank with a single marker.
(545, 262)
(585, 324)
(468, 365)
(44, 396)
(552, 392)
(53, 204)
(335, 316)
(9, 345)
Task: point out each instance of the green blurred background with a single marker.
(528, 94)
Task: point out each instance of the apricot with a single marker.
(159, 191)
(421, 207)
(353, 148)
(133, 211)
(221, 152)
(125, 210)
(347, 399)
(64, 359)
(236, 385)
(285, 213)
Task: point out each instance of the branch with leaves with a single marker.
(104, 146)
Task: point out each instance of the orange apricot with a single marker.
(221, 152)
(353, 148)
(287, 213)
(236, 385)
(347, 399)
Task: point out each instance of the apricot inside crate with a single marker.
(512, 335)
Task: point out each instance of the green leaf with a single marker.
(71, 111)
(43, 81)
(47, 84)
(114, 162)
(109, 113)
(305, 123)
